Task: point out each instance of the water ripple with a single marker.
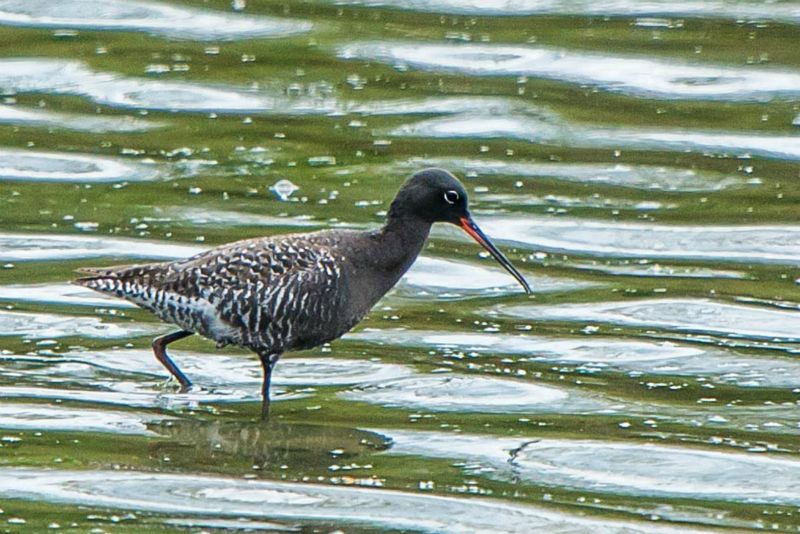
(778, 244)
(74, 78)
(47, 325)
(650, 177)
(54, 247)
(542, 126)
(32, 166)
(176, 22)
(700, 316)
(449, 279)
(467, 393)
(217, 370)
(640, 469)
(46, 417)
(68, 294)
(539, 125)
(209, 497)
(594, 354)
(749, 10)
(87, 123)
(635, 75)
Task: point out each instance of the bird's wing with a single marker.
(271, 291)
(254, 292)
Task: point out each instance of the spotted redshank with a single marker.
(292, 292)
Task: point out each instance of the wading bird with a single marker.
(292, 292)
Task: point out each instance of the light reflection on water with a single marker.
(635, 161)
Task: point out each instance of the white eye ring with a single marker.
(451, 197)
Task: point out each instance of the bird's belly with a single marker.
(195, 315)
(311, 327)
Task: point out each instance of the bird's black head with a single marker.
(435, 195)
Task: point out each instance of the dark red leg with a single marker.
(160, 350)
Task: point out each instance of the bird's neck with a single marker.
(379, 258)
(400, 241)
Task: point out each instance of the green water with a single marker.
(650, 382)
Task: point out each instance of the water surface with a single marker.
(636, 160)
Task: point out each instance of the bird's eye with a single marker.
(451, 197)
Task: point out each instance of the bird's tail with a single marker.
(111, 279)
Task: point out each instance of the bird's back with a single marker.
(268, 294)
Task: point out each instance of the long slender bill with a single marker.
(477, 234)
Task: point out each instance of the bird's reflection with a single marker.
(266, 444)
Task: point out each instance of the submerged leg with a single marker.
(268, 361)
(160, 350)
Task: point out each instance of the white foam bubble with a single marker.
(748, 10)
(636, 75)
(779, 244)
(699, 316)
(34, 166)
(219, 497)
(542, 126)
(616, 175)
(177, 22)
(639, 469)
(86, 123)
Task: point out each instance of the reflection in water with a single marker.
(266, 444)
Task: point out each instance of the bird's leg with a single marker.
(160, 350)
(268, 361)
